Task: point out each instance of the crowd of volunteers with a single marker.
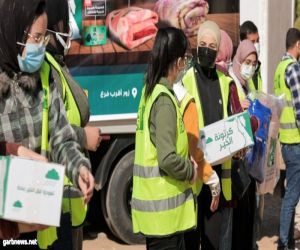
(184, 93)
(179, 200)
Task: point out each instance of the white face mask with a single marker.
(180, 75)
(257, 47)
(182, 72)
(66, 45)
(247, 71)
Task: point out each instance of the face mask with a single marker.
(206, 57)
(65, 45)
(182, 72)
(181, 75)
(257, 47)
(66, 50)
(59, 37)
(247, 71)
(33, 59)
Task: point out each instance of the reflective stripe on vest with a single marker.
(47, 237)
(73, 113)
(160, 204)
(189, 81)
(289, 132)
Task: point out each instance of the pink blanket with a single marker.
(132, 26)
(184, 14)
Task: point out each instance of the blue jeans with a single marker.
(291, 157)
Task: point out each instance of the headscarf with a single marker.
(16, 18)
(209, 28)
(225, 52)
(57, 11)
(244, 49)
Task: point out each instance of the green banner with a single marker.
(117, 94)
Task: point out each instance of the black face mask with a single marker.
(206, 57)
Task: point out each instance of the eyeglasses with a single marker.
(38, 38)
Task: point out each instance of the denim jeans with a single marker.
(291, 157)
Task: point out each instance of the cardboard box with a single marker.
(222, 139)
(31, 191)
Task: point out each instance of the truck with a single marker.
(108, 57)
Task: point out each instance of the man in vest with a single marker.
(249, 31)
(287, 81)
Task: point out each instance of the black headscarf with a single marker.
(17, 16)
(57, 11)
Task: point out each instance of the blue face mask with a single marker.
(33, 59)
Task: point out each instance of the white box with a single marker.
(31, 191)
(221, 140)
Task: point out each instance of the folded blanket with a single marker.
(132, 26)
(184, 14)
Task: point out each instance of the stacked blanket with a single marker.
(132, 26)
(184, 14)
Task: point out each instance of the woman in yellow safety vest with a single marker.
(163, 204)
(77, 107)
(24, 83)
(211, 91)
(243, 69)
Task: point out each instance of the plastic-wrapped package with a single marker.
(275, 103)
(267, 171)
(256, 156)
